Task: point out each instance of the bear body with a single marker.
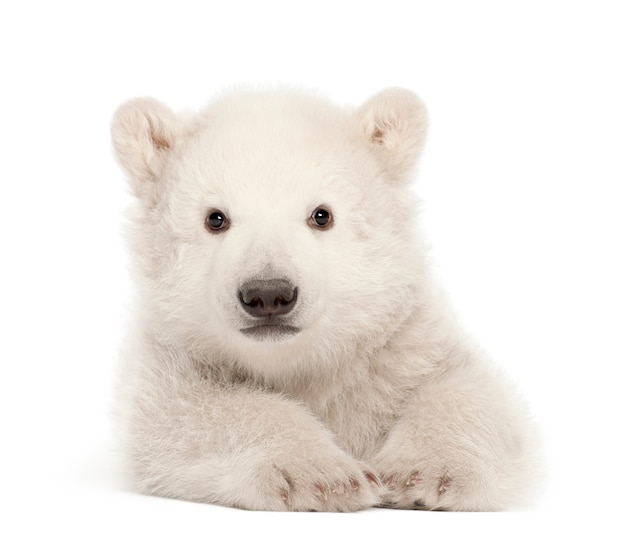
(290, 349)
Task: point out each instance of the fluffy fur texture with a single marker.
(354, 389)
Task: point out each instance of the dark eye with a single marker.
(216, 221)
(321, 218)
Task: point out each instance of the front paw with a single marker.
(321, 482)
(443, 485)
(418, 490)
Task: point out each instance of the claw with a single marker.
(373, 479)
(391, 482)
(320, 492)
(444, 483)
(413, 480)
(339, 489)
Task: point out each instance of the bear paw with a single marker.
(418, 490)
(459, 487)
(346, 494)
(312, 487)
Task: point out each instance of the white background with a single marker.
(523, 188)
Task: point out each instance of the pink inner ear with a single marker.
(377, 136)
(159, 139)
(159, 142)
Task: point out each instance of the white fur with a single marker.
(380, 398)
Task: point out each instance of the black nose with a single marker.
(262, 298)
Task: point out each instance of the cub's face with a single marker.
(273, 228)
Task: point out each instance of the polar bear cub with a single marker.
(290, 350)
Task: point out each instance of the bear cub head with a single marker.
(274, 230)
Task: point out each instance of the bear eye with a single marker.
(321, 218)
(216, 221)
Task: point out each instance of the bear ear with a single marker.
(394, 123)
(144, 132)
